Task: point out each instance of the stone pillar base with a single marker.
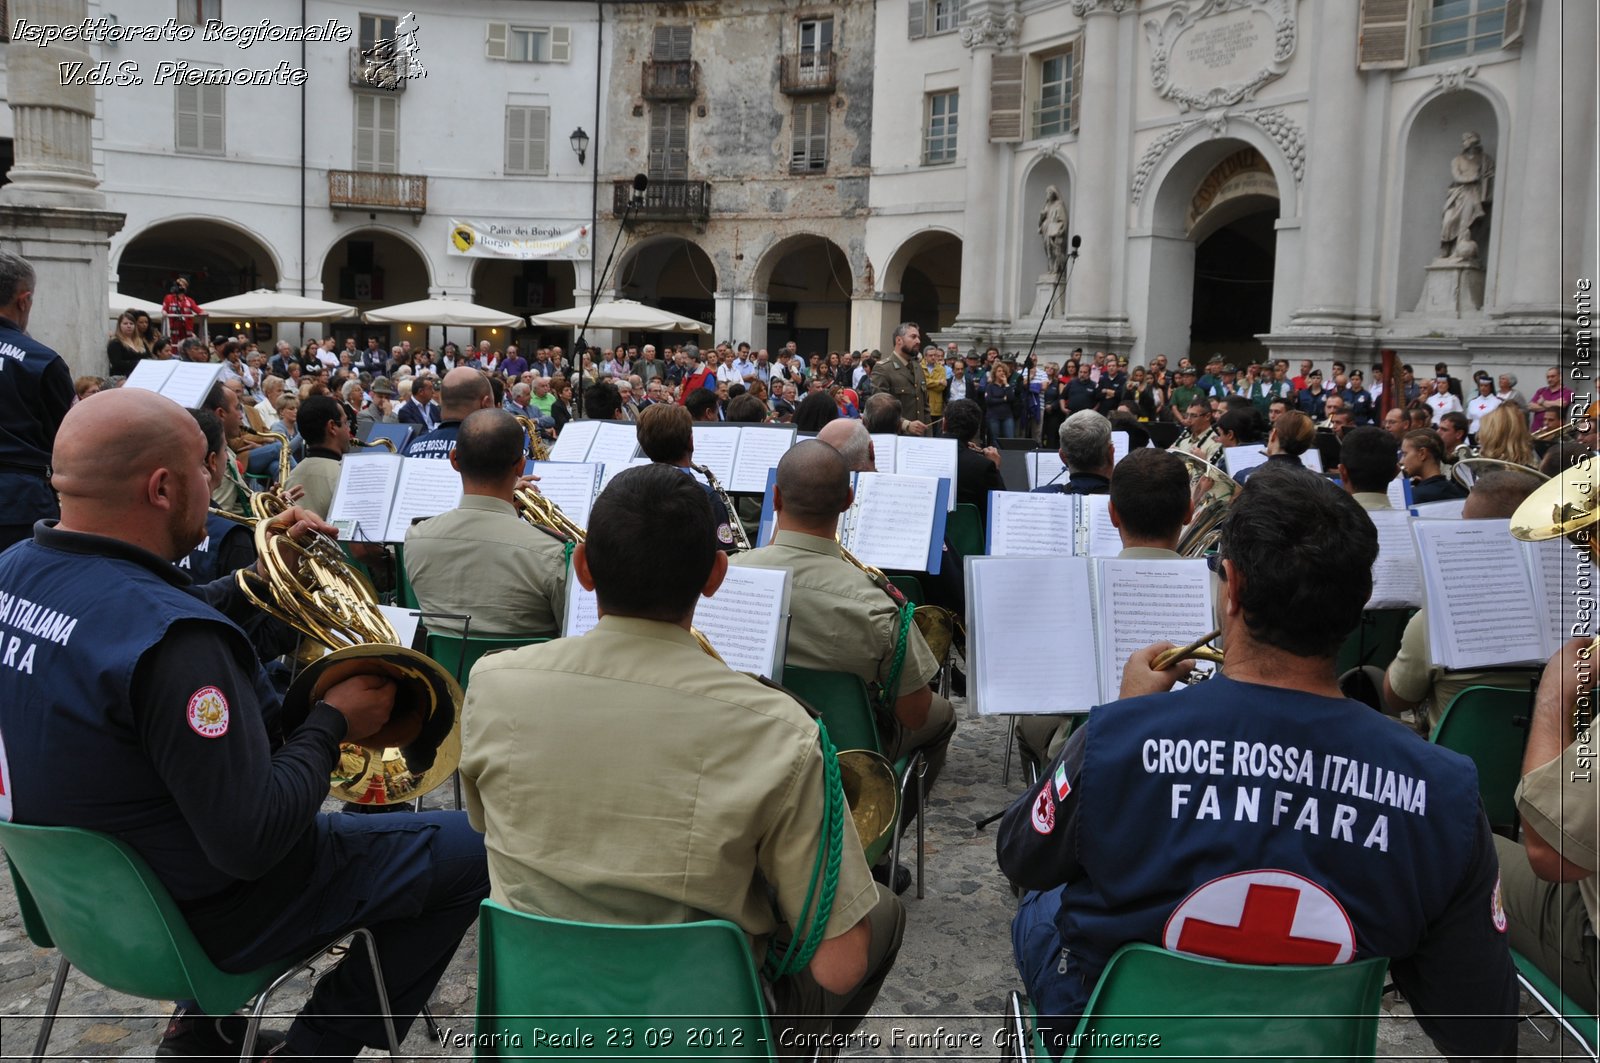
(1451, 290)
(1043, 305)
(70, 250)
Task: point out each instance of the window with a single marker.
(939, 131)
(198, 12)
(199, 116)
(673, 44)
(809, 150)
(528, 44)
(1052, 115)
(1454, 28)
(816, 41)
(377, 142)
(375, 28)
(946, 15)
(527, 140)
(669, 141)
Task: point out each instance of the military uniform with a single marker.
(716, 800)
(482, 560)
(318, 473)
(841, 622)
(229, 495)
(1414, 677)
(1372, 500)
(906, 382)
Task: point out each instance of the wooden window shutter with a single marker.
(1386, 31)
(917, 19)
(366, 131)
(1075, 102)
(1005, 99)
(673, 43)
(386, 149)
(560, 44)
(1516, 11)
(211, 99)
(187, 110)
(516, 139)
(496, 40)
(538, 138)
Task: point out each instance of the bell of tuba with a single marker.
(1214, 492)
(310, 586)
(1465, 471)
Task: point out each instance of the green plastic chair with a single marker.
(842, 701)
(1375, 642)
(963, 531)
(1490, 725)
(405, 596)
(1572, 1016)
(91, 897)
(911, 587)
(457, 654)
(687, 991)
(1205, 1009)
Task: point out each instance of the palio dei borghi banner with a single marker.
(518, 239)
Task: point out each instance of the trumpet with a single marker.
(1564, 430)
(1200, 649)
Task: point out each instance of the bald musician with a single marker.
(462, 391)
(840, 620)
(1412, 680)
(849, 436)
(481, 559)
(666, 436)
(179, 727)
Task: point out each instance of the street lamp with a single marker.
(580, 144)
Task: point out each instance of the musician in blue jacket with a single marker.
(35, 394)
(1260, 817)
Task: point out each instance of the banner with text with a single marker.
(518, 239)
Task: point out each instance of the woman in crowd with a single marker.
(845, 400)
(1144, 395)
(1504, 436)
(86, 386)
(561, 409)
(125, 347)
(147, 331)
(1000, 403)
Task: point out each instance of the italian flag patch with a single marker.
(1060, 784)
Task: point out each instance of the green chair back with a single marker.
(911, 587)
(1209, 1009)
(405, 597)
(841, 700)
(1375, 642)
(457, 654)
(93, 898)
(687, 991)
(963, 531)
(1490, 725)
(1577, 1019)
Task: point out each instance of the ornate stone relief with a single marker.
(1211, 54)
(996, 31)
(1455, 76)
(1283, 130)
(1083, 8)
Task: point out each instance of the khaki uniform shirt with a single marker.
(1415, 678)
(1371, 500)
(319, 476)
(1558, 801)
(229, 495)
(906, 382)
(482, 560)
(627, 777)
(839, 620)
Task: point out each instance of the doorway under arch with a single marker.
(218, 259)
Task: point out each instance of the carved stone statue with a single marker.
(1467, 202)
(1053, 229)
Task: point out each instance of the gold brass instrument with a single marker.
(1567, 506)
(1210, 505)
(1200, 649)
(310, 586)
(381, 441)
(1566, 429)
(741, 541)
(1466, 470)
(873, 794)
(545, 515)
(536, 448)
(285, 455)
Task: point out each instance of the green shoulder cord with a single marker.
(824, 883)
(891, 681)
(566, 553)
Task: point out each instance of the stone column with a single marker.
(741, 316)
(989, 28)
(873, 318)
(52, 212)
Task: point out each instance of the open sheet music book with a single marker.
(1397, 574)
(599, 442)
(1446, 509)
(186, 383)
(384, 493)
(746, 621)
(739, 455)
(1051, 634)
(1493, 600)
(1051, 525)
(572, 486)
(916, 456)
(895, 521)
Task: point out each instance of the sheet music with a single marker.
(574, 441)
(715, 447)
(1045, 467)
(889, 524)
(427, 488)
(1119, 446)
(1312, 459)
(1397, 493)
(1145, 601)
(1100, 537)
(1030, 635)
(1397, 574)
(572, 486)
(884, 449)
(760, 449)
(583, 609)
(1554, 569)
(190, 382)
(1449, 509)
(616, 442)
(926, 457)
(1480, 598)
(611, 470)
(1029, 525)
(744, 620)
(150, 374)
(1237, 459)
(366, 491)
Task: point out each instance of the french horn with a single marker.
(1465, 471)
(1211, 503)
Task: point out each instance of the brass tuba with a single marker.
(1211, 503)
(310, 586)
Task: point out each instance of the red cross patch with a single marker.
(1262, 917)
(1044, 812)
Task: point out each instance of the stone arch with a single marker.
(220, 257)
(400, 236)
(809, 279)
(925, 270)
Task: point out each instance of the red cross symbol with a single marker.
(1264, 933)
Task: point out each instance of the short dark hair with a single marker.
(488, 444)
(963, 420)
(1151, 493)
(699, 401)
(1496, 495)
(1456, 420)
(1304, 550)
(882, 413)
(1239, 424)
(1425, 439)
(316, 413)
(666, 432)
(212, 427)
(1368, 457)
(602, 401)
(658, 505)
(747, 408)
(814, 411)
(216, 398)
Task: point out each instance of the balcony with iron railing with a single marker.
(674, 79)
(363, 190)
(665, 200)
(807, 73)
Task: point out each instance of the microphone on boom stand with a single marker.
(636, 198)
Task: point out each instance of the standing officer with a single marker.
(901, 375)
(1261, 817)
(35, 394)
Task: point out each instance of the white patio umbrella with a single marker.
(444, 312)
(266, 305)
(622, 314)
(120, 302)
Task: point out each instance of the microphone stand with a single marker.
(1063, 278)
(594, 296)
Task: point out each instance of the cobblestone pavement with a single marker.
(949, 985)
